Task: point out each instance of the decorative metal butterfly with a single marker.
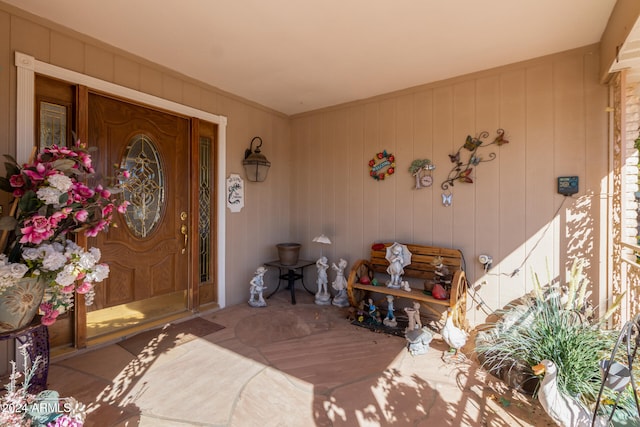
(446, 199)
(464, 176)
(472, 143)
(455, 158)
(500, 138)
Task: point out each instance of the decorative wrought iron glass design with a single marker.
(145, 189)
(204, 214)
(53, 124)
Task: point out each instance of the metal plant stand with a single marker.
(616, 376)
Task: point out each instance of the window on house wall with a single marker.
(55, 115)
(631, 181)
(204, 214)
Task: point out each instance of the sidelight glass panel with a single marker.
(53, 124)
(145, 189)
(204, 214)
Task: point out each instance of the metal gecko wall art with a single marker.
(461, 170)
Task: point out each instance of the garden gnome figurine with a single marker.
(390, 320)
(257, 287)
(322, 296)
(340, 284)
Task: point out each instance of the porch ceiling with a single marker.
(629, 55)
(296, 56)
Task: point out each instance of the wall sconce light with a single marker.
(255, 163)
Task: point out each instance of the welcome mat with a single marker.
(398, 330)
(169, 336)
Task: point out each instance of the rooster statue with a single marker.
(455, 337)
(564, 410)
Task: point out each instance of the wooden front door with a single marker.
(148, 249)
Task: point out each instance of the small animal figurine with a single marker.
(455, 337)
(564, 410)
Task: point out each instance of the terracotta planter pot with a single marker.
(288, 253)
(19, 304)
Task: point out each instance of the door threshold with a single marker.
(63, 352)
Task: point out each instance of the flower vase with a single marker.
(19, 303)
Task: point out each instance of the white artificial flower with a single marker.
(100, 273)
(17, 271)
(31, 254)
(67, 276)
(96, 253)
(61, 182)
(53, 261)
(71, 248)
(49, 195)
(87, 261)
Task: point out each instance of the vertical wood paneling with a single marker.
(487, 191)
(443, 145)
(508, 212)
(126, 72)
(402, 179)
(512, 186)
(357, 205)
(314, 198)
(424, 198)
(67, 52)
(539, 171)
(31, 38)
(372, 199)
(387, 188)
(99, 64)
(569, 155)
(463, 207)
(595, 182)
(340, 160)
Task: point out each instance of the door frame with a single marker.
(27, 68)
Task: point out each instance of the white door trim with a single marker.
(27, 67)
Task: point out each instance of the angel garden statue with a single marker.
(340, 284)
(257, 287)
(399, 257)
(322, 295)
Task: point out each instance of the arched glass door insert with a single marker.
(145, 189)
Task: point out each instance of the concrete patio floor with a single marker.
(283, 365)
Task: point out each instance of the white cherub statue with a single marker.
(399, 257)
(340, 284)
(257, 287)
(322, 295)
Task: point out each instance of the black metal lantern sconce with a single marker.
(255, 163)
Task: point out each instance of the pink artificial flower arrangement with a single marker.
(54, 202)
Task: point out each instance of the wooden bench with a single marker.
(421, 267)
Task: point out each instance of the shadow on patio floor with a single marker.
(283, 365)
